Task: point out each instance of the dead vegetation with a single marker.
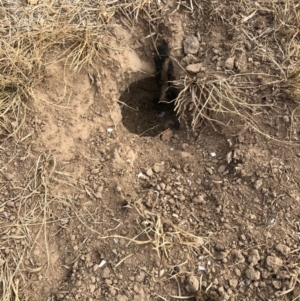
(219, 96)
(79, 34)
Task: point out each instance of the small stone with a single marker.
(122, 298)
(157, 168)
(112, 291)
(229, 64)
(190, 59)
(105, 273)
(237, 256)
(237, 272)
(274, 262)
(233, 282)
(9, 177)
(221, 168)
(92, 288)
(192, 284)
(277, 284)
(283, 249)
(194, 68)
(199, 199)
(140, 277)
(191, 45)
(252, 274)
(258, 184)
(209, 170)
(10, 204)
(286, 119)
(253, 257)
(149, 172)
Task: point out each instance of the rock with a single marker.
(92, 287)
(105, 273)
(274, 262)
(252, 274)
(258, 184)
(199, 199)
(233, 283)
(149, 172)
(283, 249)
(277, 284)
(286, 119)
(192, 284)
(157, 167)
(237, 256)
(140, 277)
(221, 168)
(191, 45)
(237, 272)
(189, 59)
(194, 68)
(9, 177)
(229, 64)
(121, 298)
(253, 257)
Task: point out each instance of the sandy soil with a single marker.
(104, 198)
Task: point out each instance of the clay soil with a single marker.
(103, 196)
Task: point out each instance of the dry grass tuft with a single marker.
(212, 99)
(75, 32)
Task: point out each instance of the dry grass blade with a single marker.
(9, 285)
(163, 234)
(36, 207)
(206, 98)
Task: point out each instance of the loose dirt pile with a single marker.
(104, 197)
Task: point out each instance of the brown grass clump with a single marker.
(213, 98)
(77, 33)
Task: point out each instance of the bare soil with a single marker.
(104, 197)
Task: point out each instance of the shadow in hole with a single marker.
(142, 113)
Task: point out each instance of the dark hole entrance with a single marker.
(142, 113)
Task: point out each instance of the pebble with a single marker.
(194, 68)
(9, 177)
(253, 257)
(122, 298)
(190, 59)
(252, 274)
(233, 282)
(221, 168)
(157, 168)
(105, 272)
(229, 64)
(258, 184)
(149, 172)
(192, 284)
(283, 249)
(191, 45)
(277, 284)
(140, 277)
(274, 262)
(92, 288)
